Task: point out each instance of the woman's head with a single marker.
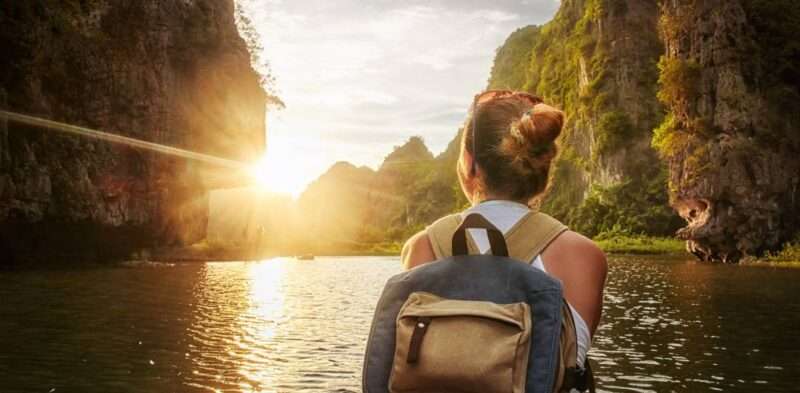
(507, 146)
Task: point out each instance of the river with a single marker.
(670, 325)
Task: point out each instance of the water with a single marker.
(288, 326)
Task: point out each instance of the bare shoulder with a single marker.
(417, 251)
(581, 266)
(573, 250)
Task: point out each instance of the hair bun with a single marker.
(530, 142)
(541, 125)
(518, 145)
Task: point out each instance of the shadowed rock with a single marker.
(733, 144)
(171, 72)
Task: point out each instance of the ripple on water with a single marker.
(287, 326)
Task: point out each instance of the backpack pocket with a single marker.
(459, 345)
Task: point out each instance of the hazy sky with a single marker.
(359, 77)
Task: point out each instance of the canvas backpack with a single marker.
(476, 323)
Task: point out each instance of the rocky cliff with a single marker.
(171, 72)
(597, 60)
(718, 81)
(731, 80)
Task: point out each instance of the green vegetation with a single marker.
(375, 211)
(789, 253)
(572, 66)
(678, 80)
(513, 59)
(625, 244)
(614, 132)
(633, 207)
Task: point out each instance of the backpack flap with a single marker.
(460, 345)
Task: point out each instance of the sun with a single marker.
(259, 172)
(280, 171)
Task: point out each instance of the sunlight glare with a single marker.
(277, 171)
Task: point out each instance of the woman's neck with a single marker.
(478, 199)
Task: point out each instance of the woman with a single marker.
(507, 148)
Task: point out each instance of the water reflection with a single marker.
(281, 325)
(692, 327)
(239, 308)
(260, 322)
(286, 326)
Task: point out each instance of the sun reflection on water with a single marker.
(289, 326)
(240, 308)
(260, 322)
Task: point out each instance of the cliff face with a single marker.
(171, 72)
(728, 76)
(597, 60)
(731, 80)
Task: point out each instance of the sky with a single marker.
(360, 77)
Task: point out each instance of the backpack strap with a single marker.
(568, 372)
(532, 234)
(440, 234)
(525, 240)
(497, 241)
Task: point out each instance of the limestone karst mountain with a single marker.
(714, 79)
(171, 72)
(682, 107)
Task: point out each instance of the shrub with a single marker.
(614, 130)
(678, 81)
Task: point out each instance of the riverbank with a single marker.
(212, 251)
(640, 244)
(789, 255)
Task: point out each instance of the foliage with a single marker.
(789, 253)
(621, 243)
(665, 138)
(678, 83)
(351, 209)
(253, 40)
(614, 131)
(574, 68)
(633, 207)
(678, 80)
(566, 187)
(512, 59)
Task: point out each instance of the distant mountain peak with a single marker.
(413, 150)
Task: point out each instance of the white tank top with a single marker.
(504, 214)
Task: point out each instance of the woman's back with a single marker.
(507, 148)
(505, 215)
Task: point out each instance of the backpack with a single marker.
(476, 323)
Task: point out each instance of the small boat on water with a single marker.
(305, 257)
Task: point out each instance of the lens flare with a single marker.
(123, 140)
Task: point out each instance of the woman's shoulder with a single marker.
(581, 266)
(573, 251)
(417, 250)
